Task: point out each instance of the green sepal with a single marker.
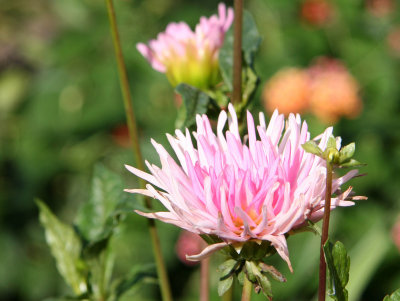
(275, 274)
(331, 143)
(312, 147)
(347, 152)
(254, 275)
(226, 272)
(352, 163)
(338, 264)
(393, 297)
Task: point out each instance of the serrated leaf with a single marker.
(195, 102)
(93, 220)
(338, 263)
(393, 297)
(65, 246)
(312, 147)
(225, 59)
(347, 152)
(251, 39)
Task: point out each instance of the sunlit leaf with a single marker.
(65, 246)
(95, 219)
(338, 263)
(393, 297)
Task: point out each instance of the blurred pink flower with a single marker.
(258, 190)
(188, 243)
(186, 56)
(396, 233)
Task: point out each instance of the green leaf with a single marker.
(347, 152)
(195, 102)
(95, 219)
(65, 246)
(226, 272)
(251, 83)
(393, 297)
(225, 59)
(338, 263)
(137, 275)
(312, 147)
(251, 39)
(224, 285)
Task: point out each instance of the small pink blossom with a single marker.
(186, 56)
(259, 189)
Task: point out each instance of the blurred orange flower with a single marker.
(287, 91)
(326, 89)
(333, 91)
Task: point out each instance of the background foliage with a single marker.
(61, 112)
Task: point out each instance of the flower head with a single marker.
(240, 191)
(186, 56)
(287, 91)
(334, 92)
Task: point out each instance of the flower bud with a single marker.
(187, 56)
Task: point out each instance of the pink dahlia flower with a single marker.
(186, 56)
(256, 189)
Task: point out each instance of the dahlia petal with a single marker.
(207, 252)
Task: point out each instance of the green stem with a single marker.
(247, 288)
(133, 133)
(325, 230)
(237, 52)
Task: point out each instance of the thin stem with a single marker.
(237, 52)
(204, 279)
(325, 230)
(133, 134)
(247, 288)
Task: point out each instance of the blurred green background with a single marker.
(61, 112)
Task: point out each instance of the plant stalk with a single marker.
(247, 288)
(204, 279)
(325, 232)
(237, 52)
(133, 134)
